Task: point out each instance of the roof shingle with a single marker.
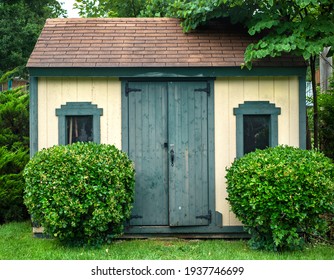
(141, 42)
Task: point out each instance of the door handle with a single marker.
(172, 154)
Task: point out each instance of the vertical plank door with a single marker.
(147, 137)
(188, 140)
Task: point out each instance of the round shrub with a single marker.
(280, 195)
(80, 193)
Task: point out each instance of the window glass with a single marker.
(79, 129)
(256, 132)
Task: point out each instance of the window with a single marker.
(256, 132)
(78, 122)
(79, 129)
(257, 126)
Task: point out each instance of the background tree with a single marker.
(157, 8)
(299, 27)
(109, 8)
(21, 21)
(326, 120)
(20, 24)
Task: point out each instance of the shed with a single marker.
(179, 104)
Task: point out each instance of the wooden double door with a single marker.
(167, 128)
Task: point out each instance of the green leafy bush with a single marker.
(80, 193)
(280, 193)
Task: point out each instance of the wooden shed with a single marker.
(179, 104)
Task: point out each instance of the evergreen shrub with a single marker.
(281, 194)
(14, 118)
(12, 163)
(80, 193)
(14, 153)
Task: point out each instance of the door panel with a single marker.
(147, 135)
(188, 132)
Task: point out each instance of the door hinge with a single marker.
(128, 89)
(207, 89)
(206, 217)
(135, 217)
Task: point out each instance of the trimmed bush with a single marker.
(280, 194)
(80, 193)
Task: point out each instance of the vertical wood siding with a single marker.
(54, 92)
(229, 93)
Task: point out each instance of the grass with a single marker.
(18, 243)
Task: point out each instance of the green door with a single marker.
(168, 141)
(188, 139)
(147, 124)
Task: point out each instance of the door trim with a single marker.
(211, 155)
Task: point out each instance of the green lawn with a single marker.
(18, 243)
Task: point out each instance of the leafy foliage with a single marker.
(280, 192)
(81, 192)
(109, 8)
(14, 153)
(300, 27)
(156, 8)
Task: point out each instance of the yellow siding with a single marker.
(54, 92)
(229, 93)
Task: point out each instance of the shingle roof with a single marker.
(141, 42)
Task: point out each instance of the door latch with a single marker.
(172, 154)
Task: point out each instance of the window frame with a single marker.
(256, 108)
(74, 109)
